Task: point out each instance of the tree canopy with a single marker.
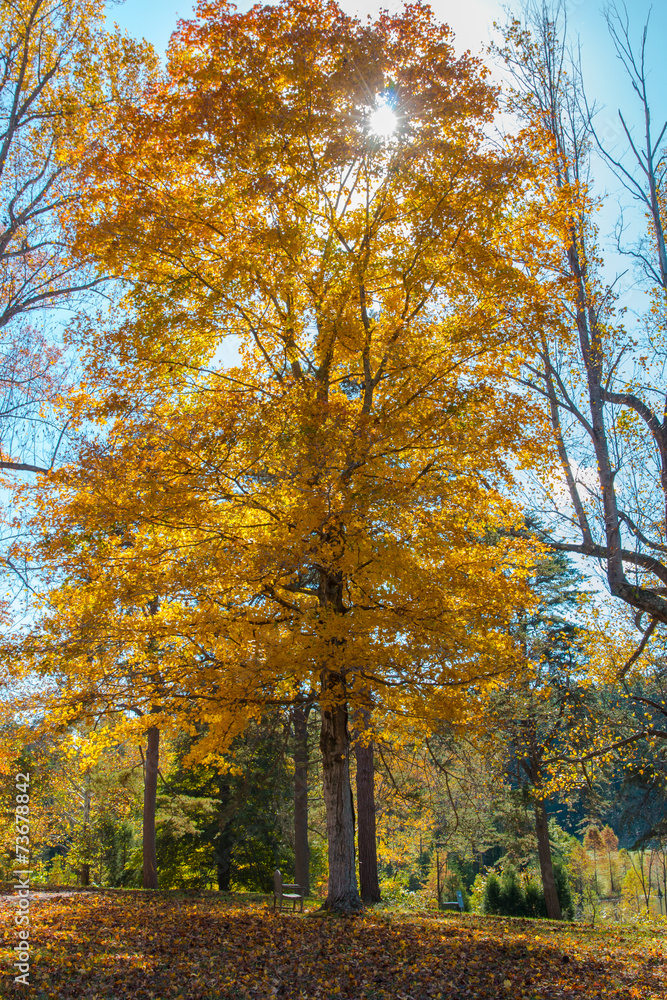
(327, 517)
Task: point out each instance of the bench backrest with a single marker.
(277, 882)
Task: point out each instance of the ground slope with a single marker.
(113, 946)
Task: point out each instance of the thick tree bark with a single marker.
(301, 846)
(366, 835)
(343, 895)
(546, 866)
(150, 796)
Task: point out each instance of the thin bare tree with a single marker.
(46, 48)
(601, 370)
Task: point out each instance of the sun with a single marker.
(382, 121)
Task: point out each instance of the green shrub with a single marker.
(507, 897)
(396, 894)
(491, 897)
(564, 890)
(115, 843)
(512, 896)
(60, 873)
(536, 905)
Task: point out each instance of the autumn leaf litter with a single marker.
(112, 947)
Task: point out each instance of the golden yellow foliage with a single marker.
(330, 513)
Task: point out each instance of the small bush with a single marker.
(491, 897)
(60, 873)
(564, 890)
(535, 902)
(396, 894)
(508, 897)
(512, 896)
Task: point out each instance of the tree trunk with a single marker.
(85, 867)
(150, 795)
(224, 840)
(343, 895)
(546, 866)
(223, 857)
(301, 847)
(368, 860)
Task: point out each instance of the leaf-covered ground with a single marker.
(132, 945)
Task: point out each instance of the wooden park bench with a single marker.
(454, 904)
(282, 891)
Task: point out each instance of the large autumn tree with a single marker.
(324, 513)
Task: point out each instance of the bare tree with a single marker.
(46, 52)
(642, 170)
(601, 369)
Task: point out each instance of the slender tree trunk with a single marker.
(150, 795)
(366, 837)
(343, 894)
(546, 866)
(223, 856)
(224, 840)
(301, 846)
(85, 867)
